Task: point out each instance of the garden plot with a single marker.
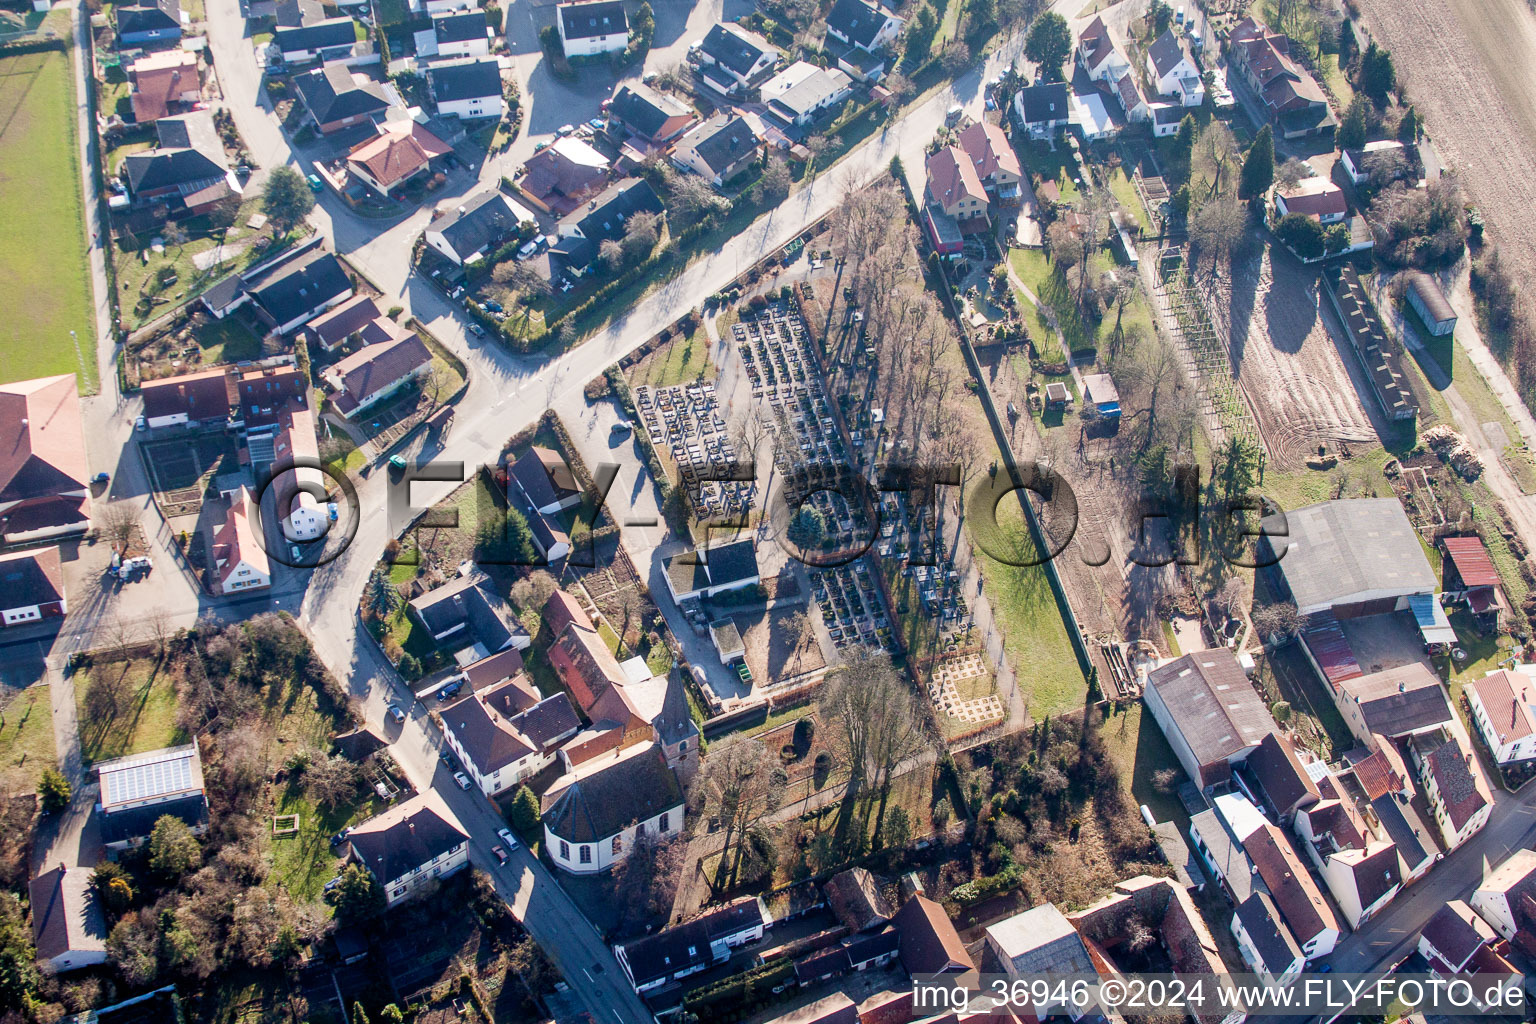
(962, 690)
(1290, 365)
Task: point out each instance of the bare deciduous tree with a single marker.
(737, 779)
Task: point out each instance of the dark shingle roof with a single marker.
(856, 20)
(470, 601)
(855, 898)
(606, 802)
(1399, 700)
(929, 942)
(1273, 940)
(644, 109)
(675, 949)
(404, 838)
(1376, 873)
(1456, 932)
(734, 47)
(589, 20)
(480, 222)
(301, 286)
(331, 94)
(459, 26)
(493, 741)
(723, 140)
(137, 822)
(320, 35)
(730, 563)
(465, 79)
(1042, 103)
(1453, 777)
(155, 15)
(65, 913)
(188, 151)
(1165, 52)
(30, 577)
(1280, 775)
(375, 368)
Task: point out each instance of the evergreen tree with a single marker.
(1352, 131)
(525, 812)
(1258, 167)
(1377, 75)
(1049, 44)
(286, 198)
(1184, 142)
(1408, 127)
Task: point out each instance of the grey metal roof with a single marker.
(1399, 700)
(1226, 854)
(1212, 704)
(1335, 551)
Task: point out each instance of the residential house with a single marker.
(499, 742)
(1393, 703)
(579, 655)
(1305, 911)
(1352, 557)
(1276, 775)
(929, 942)
(580, 234)
(332, 39)
(469, 612)
(239, 558)
(1506, 897)
(803, 92)
(1209, 712)
(137, 790)
(675, 953)
(474, 229)
(400, 152)
(191, 399)
(652, 118)
(955, 188)
(1362, 872)
(718, 149)
(546, 480)
(1429, 301)
(1171, 70)
(734, 60)
(1100, 56)
(994, 160)
(1166, 118)
(69, 931)
(1037, 941)
(1453, 784)
(32, 582)
(357, 315)
(186, 172)
(1042, 110)
(338, 98)
(430, 7)
(377, 372)
(1358, 163)
(593, 815)
(148, 22)
(410, 845)
(467, 89)
(1468, 574)
(1503, 707)
(291, 294)
(165, 83)
(1381, 784)
(299, 486)
(1314, 197)
(1452, 937)
(865, 25)
(564, 174)
(856, 901)
(1263, 936)
(1133, 103)
(293, 13)
(462, 34)
(1379, 356)
(44, 477)
(1293, 100)
(491, 671)
(592, 28)
(704, 572)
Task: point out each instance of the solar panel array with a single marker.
(147, 780)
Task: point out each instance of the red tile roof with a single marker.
(1291, 887)
(952, 178)
(1508, 698)
(42, 439)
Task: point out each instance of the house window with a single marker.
(682, 748)
(586, 854)
(661, 822)
(399, 892)
(565, 850)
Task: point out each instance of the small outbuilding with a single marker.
(1429, 301)
(1100, 392)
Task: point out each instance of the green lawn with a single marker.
(26, 739)
(1138, 747)
(303, 863)
(1042, 276)
(149, 719)
(1059, 166)
(45, 290)
(682, 360)
(1021, 596)
(1124, 190)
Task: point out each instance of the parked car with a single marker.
(492, 305)
(340, 837)
(597, 124)
(451, 690)
(141, 424)
(565, 130)
(396, 713)
(501, 855)
(100, 478)
(528, 250)
(315, 184)
(398, 461)
(508, 838)
(620, 429)
(461, 780)
(476, 330)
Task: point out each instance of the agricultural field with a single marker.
(45, 290)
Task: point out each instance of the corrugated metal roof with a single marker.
(1470, 557)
